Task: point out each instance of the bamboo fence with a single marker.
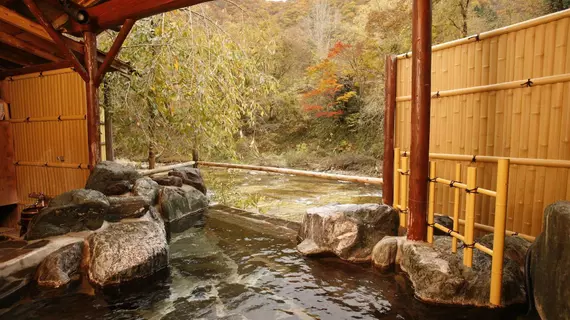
(47, 115)
(503, 93)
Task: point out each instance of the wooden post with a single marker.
(108, 122)
(92, 92)
(499, 235)
(470, 216)
(431, 208)
(389, 126)
(420, 119)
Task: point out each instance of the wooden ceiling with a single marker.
(37, 35)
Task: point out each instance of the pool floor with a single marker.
(220, 271)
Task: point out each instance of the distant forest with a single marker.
(291, 83)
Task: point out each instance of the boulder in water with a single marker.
(127, 251)
(387, 252)
(550, 264)
(439, 276)
(58, 268)
(348, 231)
(72, 211)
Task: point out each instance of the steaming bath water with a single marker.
(220, 271)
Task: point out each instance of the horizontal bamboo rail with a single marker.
(327, 176)
(496, 87)
(166, 168)
(456, 235)
(321, 175)
(83, 166)
(551, 163)
(47, 119)
(497, 32)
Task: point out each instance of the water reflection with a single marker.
(221, 271)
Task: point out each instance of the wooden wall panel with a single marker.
(49, 95)
(524, 122)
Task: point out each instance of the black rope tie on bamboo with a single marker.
(474, 159)
(527, 84)
(59, 118)
(515, 234)
(10, 79)
(408, 55)
(405, 173)
(470, 246)
(403, 211)
(452, 183)
(41, 74)
(28, 119)
(476, 37)
(449, 232)
(474, 190)
(432, 180)
(79, 166)
(17, 163)
(436, 95)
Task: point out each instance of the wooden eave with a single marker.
(26, 45)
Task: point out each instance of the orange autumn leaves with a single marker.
(324, 101)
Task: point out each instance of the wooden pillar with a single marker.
(420, 122)
(389, 127)
(108, 122)
(92, 93)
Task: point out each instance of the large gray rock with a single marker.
(72, 211)
(439, 276)
(127, 251)
(108, 175)
(348, 231)
(191, 177)
(444, 221)
(550, 267)
(177, 203)
(58, 268)
(146, 187)
(126, 207)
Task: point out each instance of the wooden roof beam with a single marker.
(114, 51)
(35, 68)
(114, 12)
(57, 38)
(23, 45)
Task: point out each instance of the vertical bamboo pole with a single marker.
(389, 125)
(420, 117)
(456, 208)
(432, 168)
(499, 235)
(404, 192)
(92, 92)
(470, 216)
(396, 177)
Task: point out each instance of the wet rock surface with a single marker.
(439, 276)
(169, 181)
(388, 252)
(127, 251)
(347, 231)
(191, 177)
(109, 177)
(550, 267)
(146, 187)
(72, 211)
(58, 268)
(176, 203)
(126, 207)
